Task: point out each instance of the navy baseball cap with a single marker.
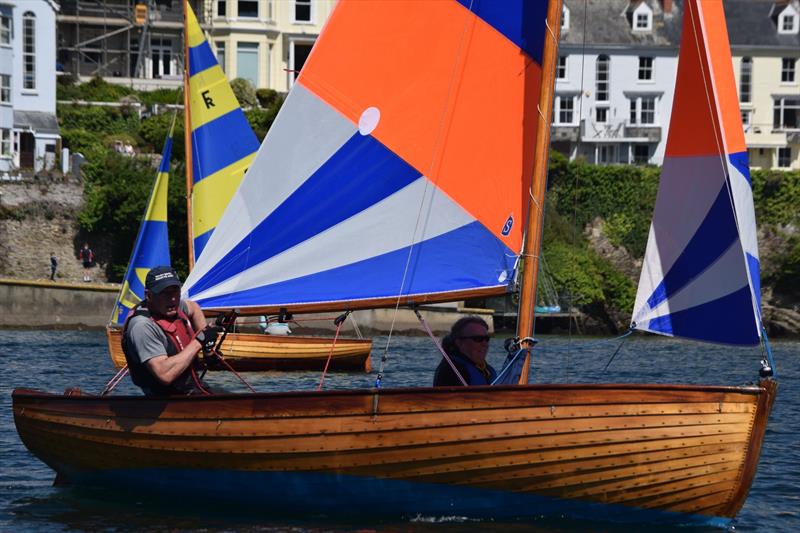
(161, 277)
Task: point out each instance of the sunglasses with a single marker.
(477, 338)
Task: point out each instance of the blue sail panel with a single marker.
(480, 257)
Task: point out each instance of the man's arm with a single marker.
(196, 316)
(167, 369)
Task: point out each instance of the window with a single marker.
(564, 18)
(642, 18)
(5, 142)
(606, 153)
(5, 29)
(643, 110)
(247, 8)
(561, 68)
(787, 69)
(602, 78)
(220, 46)
(565, 110)
(745, 80)
(222, 8)
(785, 157)
(302, 10)
(745, 118)
(601, 115)
(28, 51)
(788, 21)
(247, 62)
(786, 114)
(5, 89)
(645, 69)
(641, 154)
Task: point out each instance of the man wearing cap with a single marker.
(159, 338)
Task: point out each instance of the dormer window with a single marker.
(789, 21)
(564, 18)
(642, 19)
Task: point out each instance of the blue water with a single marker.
(55, 360)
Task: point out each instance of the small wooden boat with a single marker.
(252, 352)
(679, 454)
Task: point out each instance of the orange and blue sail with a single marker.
(700, 277)
(223, 144)
(398, 167)
(152, 242)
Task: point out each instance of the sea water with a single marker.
(55, 360)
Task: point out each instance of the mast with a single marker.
(531, 246)
(187, 133)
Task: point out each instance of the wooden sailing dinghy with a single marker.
(682, 454)
(222, 145)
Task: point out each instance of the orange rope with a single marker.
(330, 356)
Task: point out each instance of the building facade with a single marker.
(765, 41)
(29, 134)
(140, 42)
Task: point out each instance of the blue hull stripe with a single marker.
(361, 173)
(715, 235)
(220, 143)
(520, 21)
(302, 492)
(742, 164)
(201, 58)
(470, 249)
(713, 321)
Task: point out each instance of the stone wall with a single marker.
(32, 304)
(38, 215)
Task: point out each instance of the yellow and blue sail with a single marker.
(152, 243)
(223, 144)
(386, 174)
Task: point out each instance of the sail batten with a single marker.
(398, 168)
(700, 274)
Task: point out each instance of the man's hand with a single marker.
(207, 337)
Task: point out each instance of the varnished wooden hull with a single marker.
(683, 454)
(253, 352)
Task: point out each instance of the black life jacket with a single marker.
(180, 334)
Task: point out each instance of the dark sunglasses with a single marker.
(477, 338)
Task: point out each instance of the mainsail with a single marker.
(222, 143)
(700, 278)
(398, 168)
(152, 243)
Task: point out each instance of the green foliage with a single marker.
(154, 131)
(784, 279)
(161, 96)
(102, 120)
(268, 98)
(95, 90)
(244, 92)
(776, 195)
(622, 195)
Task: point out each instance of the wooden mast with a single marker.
(187, 133)
(533, 233)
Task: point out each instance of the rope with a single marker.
(509, 365)
(439, 347)
(768, 348)
(113, 382)
(330, 355)
(623, 337)
(235, 373)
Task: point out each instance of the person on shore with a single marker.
(467, 345)
(163, 336)
(53, 266)
(86, 255)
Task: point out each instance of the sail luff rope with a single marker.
(439, 347)
(429, 179)
(719, 134)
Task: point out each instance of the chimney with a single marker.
(667, 6)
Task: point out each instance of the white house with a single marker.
(614, 85)
(29, 133)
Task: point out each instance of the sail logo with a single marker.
(507, 226)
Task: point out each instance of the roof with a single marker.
(38, 121)
(608, 23)
(750, 24)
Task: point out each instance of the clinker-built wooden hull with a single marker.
(253, 352)
(681, 454)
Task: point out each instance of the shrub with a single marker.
(244, 92)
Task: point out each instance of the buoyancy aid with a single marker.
(179, 332)
(468, 370)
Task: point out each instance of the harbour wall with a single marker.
(63, 305)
